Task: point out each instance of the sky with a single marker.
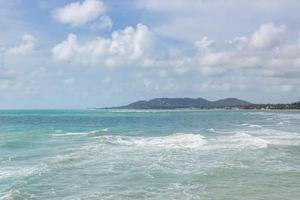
(98, 53)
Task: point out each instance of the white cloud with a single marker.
(190, 20)
(25, 48)
(21, 67)
(266, 52)
(66, 49)
(268, 36)
(123, 47)
(204, 43)
(104, 22)
(79, 14)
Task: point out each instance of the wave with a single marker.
(59, 133)
(101, 130)
(9, 172)
(250, 125)
(269, 113)
(16, 194)
(181, 143)
(292, 115)
(277, 137)
(254, 126)
(284, 138)
(212, 130)
(256, 138)
(70, 134)
(178, 140)
(237, 141)
(8, 195)
(193, 141)
(243, 140)
(107, 144)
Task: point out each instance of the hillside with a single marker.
(171, 103)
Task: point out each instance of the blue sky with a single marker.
(96, 53)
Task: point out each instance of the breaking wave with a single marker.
(178, 140)
(59, 133)
(9, 172)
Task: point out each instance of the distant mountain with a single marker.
(230, 102)
(171, 103)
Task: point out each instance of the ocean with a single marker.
(150, 154)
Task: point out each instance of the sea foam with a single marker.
(84, 133)
(178, 140)
(9, 172)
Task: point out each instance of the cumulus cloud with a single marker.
(25, 48)
(266, 52)
(79, 14)
(20, 67)
(268, 36)
(66, 49)
(123, 47)
(104, 22)
(204, 43)
(190, 20)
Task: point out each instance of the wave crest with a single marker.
(59, 133)
(178, 140)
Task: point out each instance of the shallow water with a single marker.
(151, 154)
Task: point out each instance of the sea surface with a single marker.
(150, 154)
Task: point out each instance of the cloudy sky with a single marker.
(95, 53)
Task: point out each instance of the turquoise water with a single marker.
(123, 154)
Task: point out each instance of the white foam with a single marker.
(69, 158)
(261, 113)
(70, 134)
(239, 140)
(178, 140)
(7, 196)
(250, 125)
(277, 137)
(14, 194)
(7, 172)
(60, 133)
(282, 115)
(245, 140)
(104, 129)
(212, 130)
(289, 115)
(254, 126)
(287, 138)
(245, 124)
